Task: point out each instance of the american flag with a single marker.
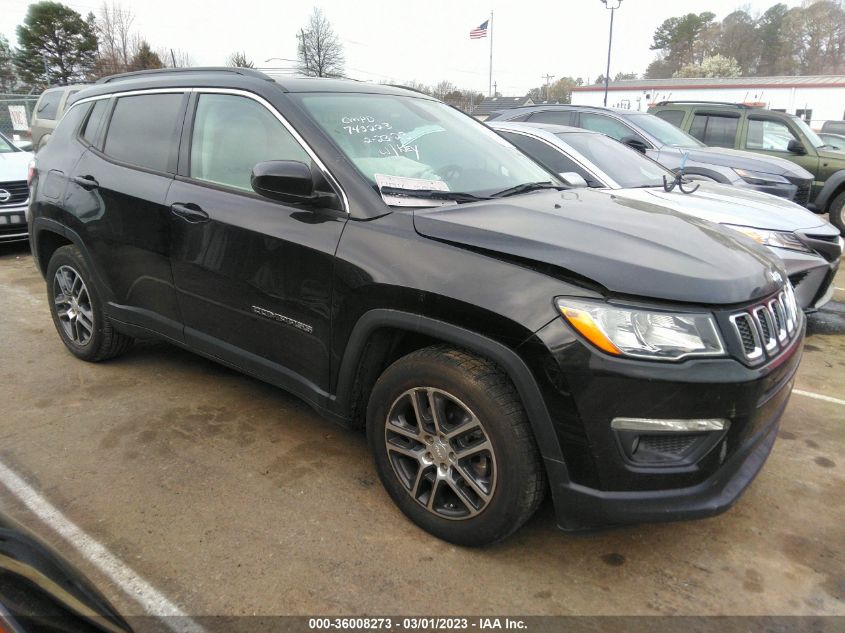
(480, 32)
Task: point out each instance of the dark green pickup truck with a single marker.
(766, 132)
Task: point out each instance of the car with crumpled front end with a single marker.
(809, 246)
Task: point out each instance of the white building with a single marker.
(815, 98)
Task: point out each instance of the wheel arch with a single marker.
(381, 336)
(833, 186)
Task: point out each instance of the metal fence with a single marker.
(10, 109)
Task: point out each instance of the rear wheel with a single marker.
(836, 212)
(77, 311)
(453, 446)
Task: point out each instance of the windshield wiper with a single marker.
(432, 194)
(526, 187)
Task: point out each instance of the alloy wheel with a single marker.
(73, 305)
(441, 453)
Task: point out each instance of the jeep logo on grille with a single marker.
(4, 195)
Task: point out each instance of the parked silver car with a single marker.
(809, 246)
(14, 191)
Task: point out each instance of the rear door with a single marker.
(716, 129)
(253, 275)
(118, 191)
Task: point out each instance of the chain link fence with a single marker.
(15, 115)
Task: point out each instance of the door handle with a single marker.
(189, 212)
(86, 182)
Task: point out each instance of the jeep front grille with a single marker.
(766, 329)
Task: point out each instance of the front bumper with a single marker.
(13, 225)
(598, 485)
(811, 276)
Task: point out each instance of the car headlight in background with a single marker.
(642, 333)
(760, 178)
(778, 239)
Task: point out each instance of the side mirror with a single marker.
(287, 181)
(573, 179)
(795, 147)
(634, 143)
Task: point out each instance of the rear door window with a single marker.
(144, 130)
(675, 117)
(48, 105)
(558, 117)
(715, 130)
(555, 161)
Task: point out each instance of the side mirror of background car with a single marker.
(634, 143)
(573, 179)
(795, 147)
(288, 181)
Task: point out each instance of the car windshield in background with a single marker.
(400, 137)
(5, 146)
(663, 131)
(626, 166)
(814, 138)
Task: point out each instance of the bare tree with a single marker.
(117, 43)
(320, 51)
(174, 58)
(238, 59)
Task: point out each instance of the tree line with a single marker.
(57, 46)
(804, 40)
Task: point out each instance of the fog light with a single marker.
(664, 425)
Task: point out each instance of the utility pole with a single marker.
(495, 90)
(612, 5)
(548, 78)
(490, 28)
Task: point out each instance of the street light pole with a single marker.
(612, 5)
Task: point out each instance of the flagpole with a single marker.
(490, 85)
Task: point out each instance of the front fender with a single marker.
(506, 358)
(832, 186)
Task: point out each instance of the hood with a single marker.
(832, 154)
(629, 247)
(731, 205)
(744, 160)
(14, 165)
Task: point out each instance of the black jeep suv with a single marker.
(400, 266)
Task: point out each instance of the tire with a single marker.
(77, 310)
(836, 212)
(488, 473)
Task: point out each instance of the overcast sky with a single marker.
(427, 40)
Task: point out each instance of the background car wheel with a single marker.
(837, 212)
(77, 311)
(453, 446)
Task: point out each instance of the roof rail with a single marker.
(247, 72)
(693, 101)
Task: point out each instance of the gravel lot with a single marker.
(231, 497)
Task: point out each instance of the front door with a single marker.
(253, 276)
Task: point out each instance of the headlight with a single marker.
(778, 239)
(760, 178)
(642, 333)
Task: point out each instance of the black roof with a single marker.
(226, 77)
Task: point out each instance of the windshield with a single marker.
(626, 166)
(5, 145)
(420, 144)
(663, 131)
(814, 138)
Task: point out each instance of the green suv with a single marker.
(764, 131)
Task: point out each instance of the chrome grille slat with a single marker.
(767, 328)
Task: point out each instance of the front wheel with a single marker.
(837, 212)
(453, 446)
